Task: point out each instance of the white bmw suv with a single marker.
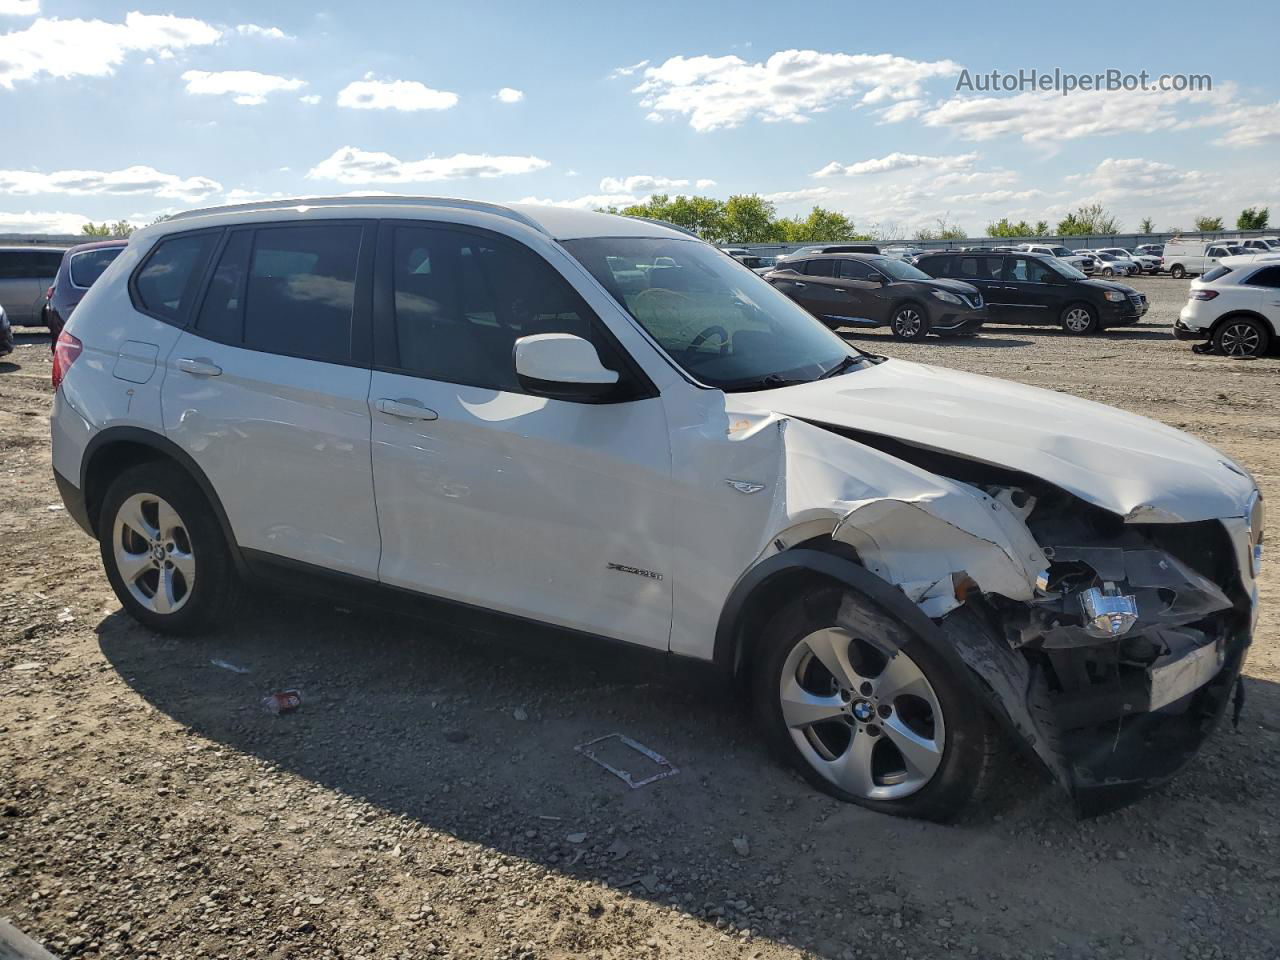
(601, 427)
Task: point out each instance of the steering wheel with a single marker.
(715, 330)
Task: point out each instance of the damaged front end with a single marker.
(1116, 659)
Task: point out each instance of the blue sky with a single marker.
(131, 110)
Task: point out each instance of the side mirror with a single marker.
(562, 367)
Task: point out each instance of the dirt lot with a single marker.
(427, 801)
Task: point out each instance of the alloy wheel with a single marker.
(1077, 320)
(1241, 340)
(153, 554)
(907, 323)
(869, 723)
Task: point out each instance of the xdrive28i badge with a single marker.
(623, 568)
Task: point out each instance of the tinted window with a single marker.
(300, 291)
(1270, 277)
(978, 268)
(820, 268)
(462, 300)
(87, 267)
(29, 264)
(856, 270)
(167, 282)
(1216, 252)
(221, 316)
(1216, 273)
(1027, 270)
(937, 266)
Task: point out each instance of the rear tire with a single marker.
(1241, 337)
(1079, 319)
(1177, 271)
(901, 735)
(164, 552)
(909, 322)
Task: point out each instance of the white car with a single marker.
(902, 252)
(1085, 264)
(1112, 265)
(568, 424)
(1146, 263)
(1258, 245)
(1185, 257)
(1235, 306)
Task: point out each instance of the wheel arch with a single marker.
(119, 448)
(1247, 314)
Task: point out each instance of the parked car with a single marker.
(759, 264)
(1034, 288)
(1183, 257)
(1258, 244)
(1235, 307)
(1111, 265)
(1146, 263)
(569, 424)
(829, 248)
(902, 252)
(25, 273)
(1150, 249)
(6, 334)
(736, 252)
(1085, 264)
(866, 290)
(80, 267)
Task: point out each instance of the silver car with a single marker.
(25, 274)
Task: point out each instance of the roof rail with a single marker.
(350, 201)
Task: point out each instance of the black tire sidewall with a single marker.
(212, 595)
(1264, 336)
(1177, 272)
(924, 322)
(968, 729)
(1093, 319)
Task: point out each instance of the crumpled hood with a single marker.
(1130, 465)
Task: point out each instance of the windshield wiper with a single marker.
(841, 367)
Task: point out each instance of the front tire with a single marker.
(1079, 319)
(1241, 337)
(1177, 271)
(164, 552)
(901, 735)
(909, 322)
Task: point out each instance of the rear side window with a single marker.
(286, 290)
(978, 268)
(87, 267)
(463, 299)
(166, 283)
(1270, 277)
(936, 266)
(1216, 273)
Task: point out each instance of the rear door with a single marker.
(268, 391)
(553, 510)
(822, 293)
(863, 291)
(985, 271)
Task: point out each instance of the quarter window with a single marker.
(166, 284)
(87, 267)
(463, 299)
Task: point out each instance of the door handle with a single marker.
(797, 283)
(406, 409)
(199, 366)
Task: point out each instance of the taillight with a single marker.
(65, 352)
(1203, 294)
(48, 294)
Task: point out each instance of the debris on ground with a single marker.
(286, 701)
(659, 766)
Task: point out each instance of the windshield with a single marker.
(900, 270)
(722, 323)
(88, 266)
(1061, 252)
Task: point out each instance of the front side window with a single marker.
(901, 270)
(820, 268)
(166, 283)
(87, 267)
(1269, 277)
(856, 270)
(723, 324)
(462, 300)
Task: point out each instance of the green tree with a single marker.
(1042, 228)
(943, 229)
(121, 228)
(1147, 225)
(1004, 227)
(821, 226)
(703, 215)
(1253, 218)
(749, 218)
(1208, 224)
(1092, 218)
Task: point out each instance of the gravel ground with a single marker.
(426, 800)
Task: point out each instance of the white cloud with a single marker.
(894, 162)
(639, 182)
(41, 222)
(705, 184)
(94, 48)
(352, 165)
(266, 33)
(1048, 118)
(997, 196)
(795, 196)
(405, 95)
(131, 180)
(902, 110)
(248, 87)
(509, 95)
(1248, 126)
(627, 71)
(717, 92)
(1135, 178)
(311, 98)
(19, 8)
(589, 202)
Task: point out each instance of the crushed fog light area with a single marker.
(1106, 613)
